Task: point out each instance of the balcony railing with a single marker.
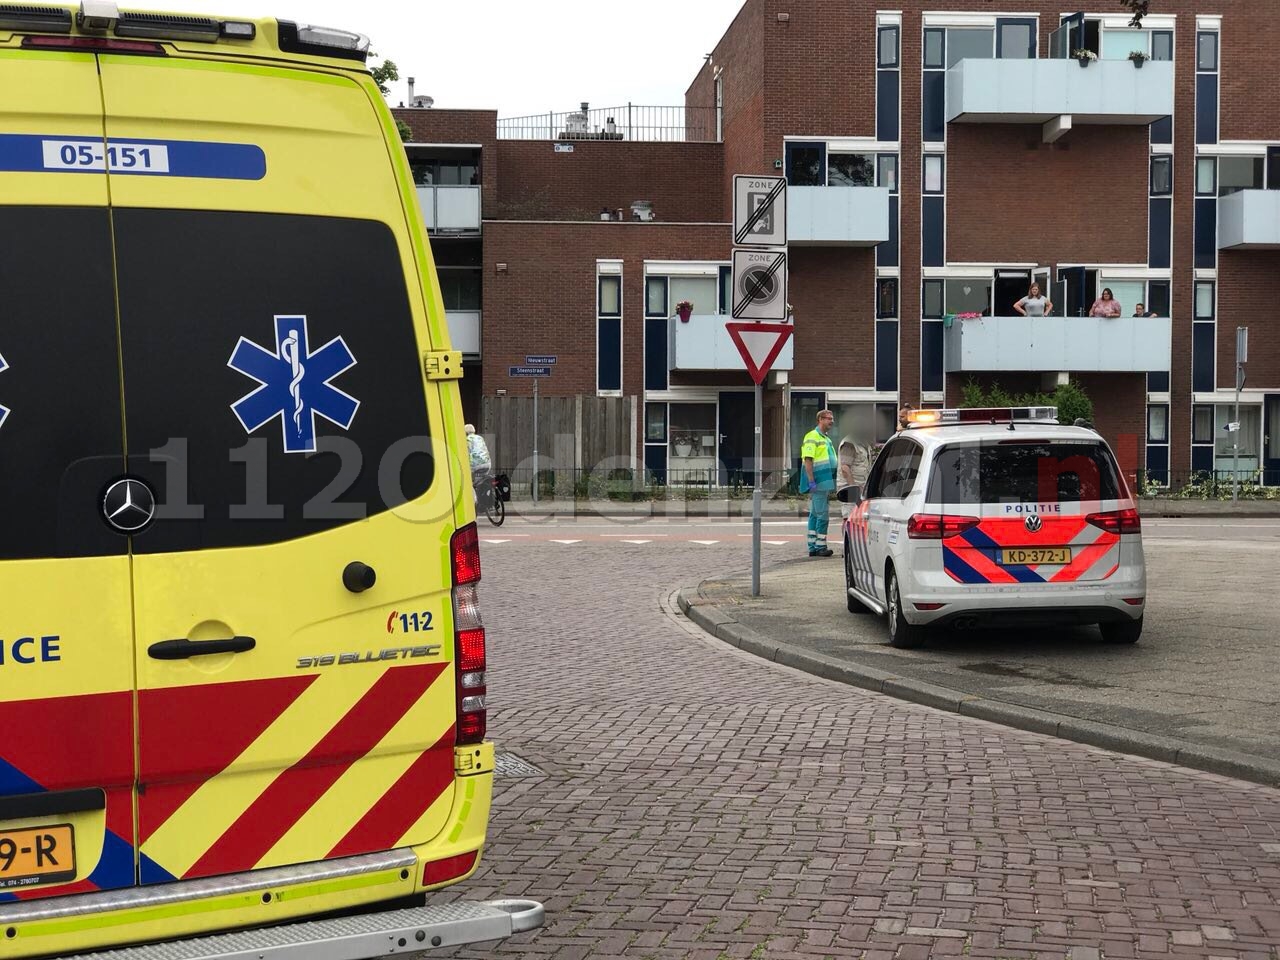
(1037, 91)
(837, 216)
(464, 331)
(1051, 344)
(450, 209)
(703, 343)
(629, 122)
(1249, 220)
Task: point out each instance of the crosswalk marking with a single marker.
(567, 543)
(485, 540)
(637, 542)
(705, 543)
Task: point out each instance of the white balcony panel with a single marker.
(1036, 91)
(1249, 220)
(704, 344)
(1048, 344)
(457, 209)
(837, 216)
(427, 201)
(464, 331)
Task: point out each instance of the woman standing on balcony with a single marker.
(1034, 304)
(1106, 305)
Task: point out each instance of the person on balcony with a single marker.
(1034, 304)
(1141, 311)
(1106, 305)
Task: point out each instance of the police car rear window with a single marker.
(1023, 472)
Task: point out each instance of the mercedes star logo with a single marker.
(1032, 523)
(129, 506)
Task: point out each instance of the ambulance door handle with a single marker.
(184, 649)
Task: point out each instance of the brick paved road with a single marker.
(702, 803)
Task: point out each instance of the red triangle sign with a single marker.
(759, 344)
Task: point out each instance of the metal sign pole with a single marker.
(535, 442)
(757, 495)
(1242, 356)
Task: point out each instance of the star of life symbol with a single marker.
(294, 384)
(4, 411)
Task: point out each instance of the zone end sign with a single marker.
(759, 285)
(759, 211)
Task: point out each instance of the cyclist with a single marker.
(481, 463)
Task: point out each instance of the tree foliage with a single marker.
(1070, 398)
(385, 73)
(1139, 9)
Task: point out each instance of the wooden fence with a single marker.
(574, 433)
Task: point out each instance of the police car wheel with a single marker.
(1126, 632)
(902, 635)
(854, 605)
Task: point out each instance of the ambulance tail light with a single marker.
(468, 636)
(94, 45)
(1117, 521)
(938, 526)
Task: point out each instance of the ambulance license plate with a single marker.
(1025, 555)
(37, 855)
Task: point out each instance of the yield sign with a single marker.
(759, 344)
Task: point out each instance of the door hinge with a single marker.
(442, 365)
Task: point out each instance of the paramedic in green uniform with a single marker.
(818, 454)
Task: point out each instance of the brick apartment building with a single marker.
(939, 159)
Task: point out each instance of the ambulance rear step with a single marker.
(353, 938)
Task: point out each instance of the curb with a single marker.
(721, 625)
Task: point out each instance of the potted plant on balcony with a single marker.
(1084, 57)
(1138, 58)
(683, 443)
(684, 309)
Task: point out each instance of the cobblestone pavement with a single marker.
(698, 802)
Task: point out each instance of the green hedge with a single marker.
(1070, 398)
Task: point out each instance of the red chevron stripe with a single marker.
(401, 806)
(982, 564)
(294, 792)
(180, 749)
(1085, 559)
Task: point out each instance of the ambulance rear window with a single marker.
(1021, 472)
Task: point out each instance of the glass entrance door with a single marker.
(1271, 441)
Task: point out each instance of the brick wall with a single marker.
(1013, 198)
(683, 180)
(833, 293)
(1249, 90)
(1246, 298)
(545, 302)
(461, 126)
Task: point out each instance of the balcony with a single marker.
(704, 344)
(464, 332)
(1249, 220)
(1059, 91)
(1051, 344)
(837, 216)
(450, 209)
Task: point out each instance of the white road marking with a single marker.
(706, 543)
(567, 543)
(486, 540)
(637, 542)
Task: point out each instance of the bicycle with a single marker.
(489, 499)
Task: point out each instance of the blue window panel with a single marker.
(887, 105)
(655, 461)
(887, 252)
(1207, 108)
(934, 113)
(1158, 381)
(1203, 379)
(1158, 464)
(609, 358)
(655, 354)
(933, 231)
(1207, 233)
(887, 355)
(1162, 131)
(931, 355)
(1202, 459)
(1160, 232)
(726, 285)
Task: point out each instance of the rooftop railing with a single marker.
(631, 122)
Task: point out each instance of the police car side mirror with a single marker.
(849, 494)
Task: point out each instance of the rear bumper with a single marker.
(1033, 616)
(63, 926)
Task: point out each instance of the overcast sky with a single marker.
(513, 55)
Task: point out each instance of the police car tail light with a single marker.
(938, 526)
(468, 636)
(1117, 521)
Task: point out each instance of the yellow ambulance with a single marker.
(242, 666)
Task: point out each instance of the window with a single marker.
(655, 297)
(1202, 424)
(887, 49)
(1158, 424)
(1207, 52)
(700, 291)
(609, 331)
(1249, 436)
(1128, 293)
(610, 296)
(655, 422)
(887, 171)
(933, 299)
(1161, 176)
(886, 297)
(460, 289)
(969, 44)
(851, 170)
(935, 45)
(1204, 301)
(1161, 45)
(1206, 176)
(1016, 39)
(693, 441)
(1059, 472)
(1158, 297)
(969, 295)
(1240, 173)
(1118, 44)
(934, 165)
(901, 467)
(807, 164)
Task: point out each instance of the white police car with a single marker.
(995, 517)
